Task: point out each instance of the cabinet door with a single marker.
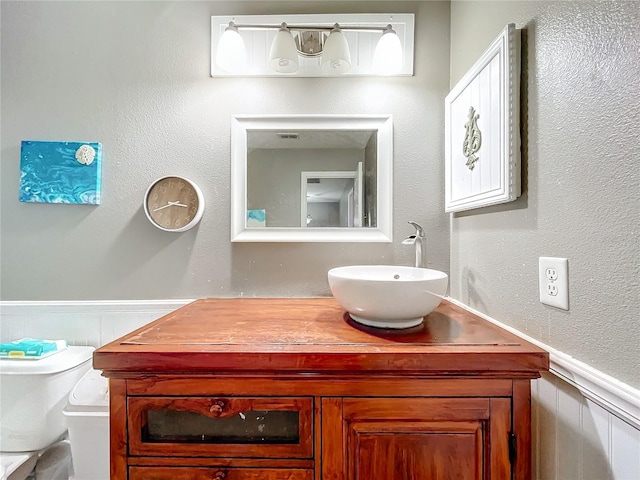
(221, 427)
(416, 439)
(192, 473)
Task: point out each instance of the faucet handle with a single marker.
(419, 230)
(410, 240)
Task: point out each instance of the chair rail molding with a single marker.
(616, 397)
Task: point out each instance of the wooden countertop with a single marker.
(313, 335)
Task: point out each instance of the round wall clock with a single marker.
(173, 204)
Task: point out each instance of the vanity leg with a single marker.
(118, 428)
(522, 428)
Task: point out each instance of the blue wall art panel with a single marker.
(60, 172)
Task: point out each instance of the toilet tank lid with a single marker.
(67, 359)
(90, 393)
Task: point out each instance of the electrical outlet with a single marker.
(553, 276)
(551, 273)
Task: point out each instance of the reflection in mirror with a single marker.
(332, 199)
(276, 161)
(311, 178)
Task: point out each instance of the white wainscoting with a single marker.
(79, 323)
(586, 425)
(576, 438)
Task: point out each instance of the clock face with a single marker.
(174, 204)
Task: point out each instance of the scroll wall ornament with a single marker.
(491, 86)
(472, 139)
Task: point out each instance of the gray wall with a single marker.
(582, 184)
(135, 76)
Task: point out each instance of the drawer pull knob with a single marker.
(217, 407)
(219, 475)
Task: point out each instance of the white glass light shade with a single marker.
(231, 55)
(283, 56)
(388, 58)
(336, 57)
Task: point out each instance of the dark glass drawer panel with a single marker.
(255, 427)
(250, 427)
(200, 473)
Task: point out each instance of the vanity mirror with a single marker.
(311, 178)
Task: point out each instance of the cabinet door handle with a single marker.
(219, 475)
(217, 407)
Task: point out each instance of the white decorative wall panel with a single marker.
(482, 133)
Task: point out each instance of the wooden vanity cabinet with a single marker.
(424, 438)
(275, 389)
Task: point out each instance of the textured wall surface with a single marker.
(581, 115)
(135, 76)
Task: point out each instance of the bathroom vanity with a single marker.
(292, 389)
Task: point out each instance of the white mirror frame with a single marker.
(241, 124)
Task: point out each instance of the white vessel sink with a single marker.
(387, 296)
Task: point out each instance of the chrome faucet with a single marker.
(419, 240)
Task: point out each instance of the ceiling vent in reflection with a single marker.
(288, 135)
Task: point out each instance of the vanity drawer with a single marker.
(221, 427)
(192, 473)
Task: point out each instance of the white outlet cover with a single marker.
(561, 267)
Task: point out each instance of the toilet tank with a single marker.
(33, 394)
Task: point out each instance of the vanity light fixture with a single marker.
(336, 57)
(231, 54)
(387, 57)
(311, 45)
(283, 57)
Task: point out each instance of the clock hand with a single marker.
(163, 207)
(171, 204)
